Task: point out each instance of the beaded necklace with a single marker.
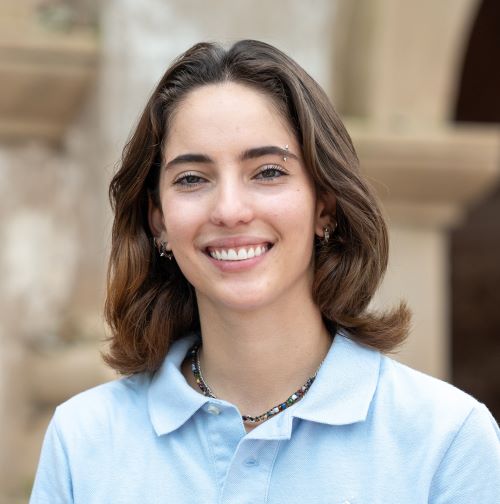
(295, 397)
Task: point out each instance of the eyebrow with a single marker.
(189, 158)
(266, 150)
(256, 152)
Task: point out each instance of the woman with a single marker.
(246, 248)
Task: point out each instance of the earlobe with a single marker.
(326, 207)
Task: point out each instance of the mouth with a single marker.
(238, 253)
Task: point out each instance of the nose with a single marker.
(232, 204)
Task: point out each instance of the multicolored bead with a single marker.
(295, 397)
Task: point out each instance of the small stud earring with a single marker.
(286, 154)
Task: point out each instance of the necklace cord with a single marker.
(207, 391)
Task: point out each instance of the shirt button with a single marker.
(251, 462)
(213, 410)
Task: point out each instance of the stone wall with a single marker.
(52, 262)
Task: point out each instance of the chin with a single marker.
(240, 303)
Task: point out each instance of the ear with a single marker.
(326, 209)
(155, 220)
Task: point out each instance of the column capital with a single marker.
(428, 177)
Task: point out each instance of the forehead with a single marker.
(226, 115)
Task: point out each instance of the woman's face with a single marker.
(238, 209)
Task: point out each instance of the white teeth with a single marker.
(240, 255)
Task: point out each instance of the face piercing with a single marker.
(285, 155)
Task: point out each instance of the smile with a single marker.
(239, 253)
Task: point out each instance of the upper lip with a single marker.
(236, 241)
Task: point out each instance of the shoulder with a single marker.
(424, 407)
(128, 390)
(99, 408)
(414, 395)
(412, 389)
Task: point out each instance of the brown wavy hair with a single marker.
(150, 303)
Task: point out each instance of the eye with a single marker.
(188, 180)
(270, 172)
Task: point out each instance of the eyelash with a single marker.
(272, 168)
(183, 179)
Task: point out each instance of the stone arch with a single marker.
(475, 244)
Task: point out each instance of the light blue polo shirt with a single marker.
(369, 431)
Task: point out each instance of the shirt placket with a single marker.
(249, 473)
(243, 465)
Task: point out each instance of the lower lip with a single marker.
(243, 265)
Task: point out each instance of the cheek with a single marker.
(297, 210)
(181, 221)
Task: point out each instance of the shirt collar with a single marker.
(341, 393)
(171, 400)
(344, 386)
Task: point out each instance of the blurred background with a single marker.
(417, 84)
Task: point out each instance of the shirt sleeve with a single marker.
(470, 469)
(53, 478)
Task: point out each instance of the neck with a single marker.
(257, 359)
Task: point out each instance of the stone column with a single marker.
(397, 68)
